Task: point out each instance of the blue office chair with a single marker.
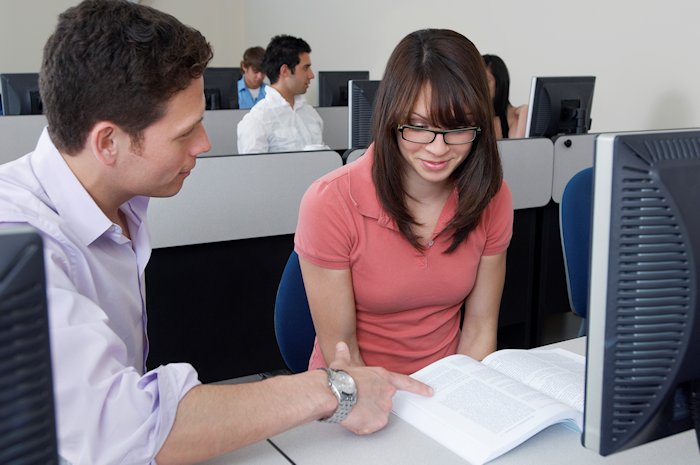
(575, 226)
(294, 327)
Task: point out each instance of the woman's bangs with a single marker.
(449, 105)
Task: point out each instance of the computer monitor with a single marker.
(221, 88)
(360, 108)
(20, 94)
(333, 86)
(27, 422)
(559, 105)
(644, 314)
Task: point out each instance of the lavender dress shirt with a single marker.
(109, 409)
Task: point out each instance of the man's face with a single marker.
(253, 76)
(167, 152)
(299, 81)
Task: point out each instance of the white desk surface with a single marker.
(260, 453)
(318, 443)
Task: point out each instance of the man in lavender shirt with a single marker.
(123, 94)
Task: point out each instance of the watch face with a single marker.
(344, 382)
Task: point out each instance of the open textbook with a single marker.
(482, 410)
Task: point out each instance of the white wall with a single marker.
(642, 52)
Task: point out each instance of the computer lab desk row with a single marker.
(320, 444)
(220, 245)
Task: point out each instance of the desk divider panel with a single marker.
(220, 246)
(222, 125)
(572, 154)
(19, 135)
(527, 168)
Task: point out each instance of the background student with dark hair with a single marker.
(251, 88)
(510, 122)
(393, 244)
(124, 98)
(283, 121)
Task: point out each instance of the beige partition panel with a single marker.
(19, 135)
(238, 197)
(527, 168)
(221, 126)
(571, 154)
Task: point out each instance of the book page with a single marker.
(558, 373)
(476, 411)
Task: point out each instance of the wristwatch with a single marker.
(343, 386)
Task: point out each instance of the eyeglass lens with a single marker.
(426, 136)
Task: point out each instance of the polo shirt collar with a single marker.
(363, 193)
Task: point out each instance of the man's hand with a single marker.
(375, 388)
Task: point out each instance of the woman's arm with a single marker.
(521, 115)
(482, 305)
(332, 302)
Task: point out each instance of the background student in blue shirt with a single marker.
(251, 88)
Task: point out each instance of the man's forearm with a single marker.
(214, 420)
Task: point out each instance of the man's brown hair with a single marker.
(117, 61)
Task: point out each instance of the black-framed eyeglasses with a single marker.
(427, 136)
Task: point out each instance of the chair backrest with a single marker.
(575, 225)
(294, 327)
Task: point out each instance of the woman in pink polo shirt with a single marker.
(392, 244)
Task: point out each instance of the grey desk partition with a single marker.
(527, 168)
(220, 246)
(335, 126)
(238, 197)
(19, 135)
(354, 155)
(572, 154)
(221, 127)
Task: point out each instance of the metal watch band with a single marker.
(345, 403)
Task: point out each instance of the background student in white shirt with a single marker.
(283, 121)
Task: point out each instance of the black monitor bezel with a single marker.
(25, 87)
(222, 82)
(548, 119)
(332, 83)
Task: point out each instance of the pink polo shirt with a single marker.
(407, 301)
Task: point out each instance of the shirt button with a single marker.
(430, 243)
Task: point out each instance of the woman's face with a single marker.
(429, 163)
(492, 82)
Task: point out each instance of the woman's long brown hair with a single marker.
(452, 68)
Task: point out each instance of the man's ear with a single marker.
(106, 140)
(284, 71)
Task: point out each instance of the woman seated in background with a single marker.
(394, 243)
(510, 122)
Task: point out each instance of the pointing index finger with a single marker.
(406, 383)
